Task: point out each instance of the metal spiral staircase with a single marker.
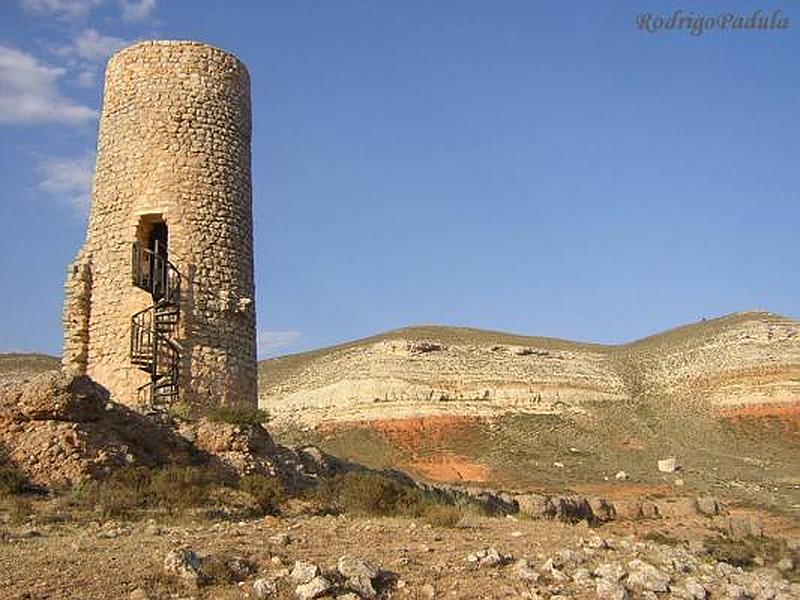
(153, 346)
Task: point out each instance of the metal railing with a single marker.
(152, 348)
(153, 273)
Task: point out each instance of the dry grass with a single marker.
(750, 551)
(267, 492)
(128, 492)
(237, 415)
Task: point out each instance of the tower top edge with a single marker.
(189, 45)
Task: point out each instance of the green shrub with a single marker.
(217, 571)
(661, 538)
(742, 552)
(12, 481)
(237, 415)
(370, 494)
(179, 488)
(137, 488)
(181, 410)
(441, 515)
(121, 493)
(17, 508)
(268, 492)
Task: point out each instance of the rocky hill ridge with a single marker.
(738, 360)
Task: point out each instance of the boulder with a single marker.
(304, 571)
(522, 570)
(572, 508)
(646, 577)
(363, 585)
(237, 449)
(742, 526)
(610, 571)
(649, 509)
(690, 589)
(263, 588)
(611, 590)
(359, 575)
(240, 568)
(315, 588)
(708, 506)
(602, 509)
(678, 507)
(535, 506)
(489, 557)
(668, 465)
(628, 509)
(186, 565)
(356, 567)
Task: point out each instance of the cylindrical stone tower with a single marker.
(160, 300)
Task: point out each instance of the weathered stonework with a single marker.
(174, 149)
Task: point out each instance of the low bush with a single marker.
(136, 488)
(16, 508)
(124, 491)
(441, 515)
(217, 571)
(743, 552)
(268, 492)
(370, 494)
(237, 415)
(181, 410)
(661, 538)
(12, 481)
(179, 488)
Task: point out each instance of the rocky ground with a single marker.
(306, 556)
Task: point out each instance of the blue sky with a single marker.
(542, 168)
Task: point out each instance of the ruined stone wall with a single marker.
(77, 306)
(174, 145)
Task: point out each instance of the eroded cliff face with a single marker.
(742, 359)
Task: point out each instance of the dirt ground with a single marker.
(125, 560)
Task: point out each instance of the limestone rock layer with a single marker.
(739, 360)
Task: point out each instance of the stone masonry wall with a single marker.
(174, 145)
(77, 306)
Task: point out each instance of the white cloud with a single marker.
(29, 92)
(87, 51)
(270, 341)
(78, 10)
(94, 46)
(87, 78)
(68, 180)
(71, 10)
(136, 10)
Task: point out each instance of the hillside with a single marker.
(737, 360)
(448, 404)
(16, 366)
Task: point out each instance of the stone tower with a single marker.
(159, 302)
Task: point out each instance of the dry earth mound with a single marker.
(59, 430)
